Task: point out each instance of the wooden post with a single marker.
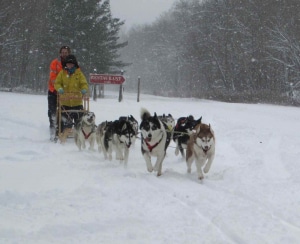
(94, 92)
(121, 93)
(139, 89)
(101, 92)
(121, 89)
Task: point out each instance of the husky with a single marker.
(182, 131)
(134, 123)
(85, 129)
(155, 140)
(118, 137)
(168, 120)
(201, 148)
(100, 132)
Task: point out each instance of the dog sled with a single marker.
(62, 113)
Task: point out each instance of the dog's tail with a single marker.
(145, 114)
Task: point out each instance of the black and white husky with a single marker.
(201, 149)
(134, 123)
(118, 137)
(85, 130)
(182, 131)
(155, 139)
(100, 132)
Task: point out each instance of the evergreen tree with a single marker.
(89, 29)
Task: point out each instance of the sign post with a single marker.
(139, 89)
(108, 79)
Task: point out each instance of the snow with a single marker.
(53, 193)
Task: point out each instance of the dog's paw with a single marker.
(156, 167)
(207, 167)
(119, 158)
(176, 151)
(150, 169)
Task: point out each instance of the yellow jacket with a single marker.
(72, 86)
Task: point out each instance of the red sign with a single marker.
(106, 79)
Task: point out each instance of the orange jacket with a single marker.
(55, 67)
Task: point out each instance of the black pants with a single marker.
(52, 107)
(68, 119)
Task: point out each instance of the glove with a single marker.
(61, 91)
(83, 91)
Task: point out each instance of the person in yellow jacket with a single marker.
(71, 85)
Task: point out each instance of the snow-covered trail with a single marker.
(52, 193)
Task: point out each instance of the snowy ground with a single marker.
(52, 193)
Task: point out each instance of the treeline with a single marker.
(231, 50)
(32, 31)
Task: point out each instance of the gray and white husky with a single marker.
(201, 149)
(85, 130)
(155, 138)
(168, 120)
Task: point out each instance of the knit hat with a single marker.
(71, 59)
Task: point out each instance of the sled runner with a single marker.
(64, 116)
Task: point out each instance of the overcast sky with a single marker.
(139, 11)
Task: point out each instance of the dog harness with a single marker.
(153, 146)
(86, 136)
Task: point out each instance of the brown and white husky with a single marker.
(201, 149)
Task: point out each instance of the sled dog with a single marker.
(100, 132)
(201, 149)
(168, 120)
(118, 137)
(64, 135)
(134, 123)
(182, 131)
(85, 130)
(154, 140)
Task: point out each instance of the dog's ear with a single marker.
(211, 130)
(190, 117)
(124, 127)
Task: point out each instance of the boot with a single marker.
(52, 133)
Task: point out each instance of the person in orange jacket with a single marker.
(55, 67)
